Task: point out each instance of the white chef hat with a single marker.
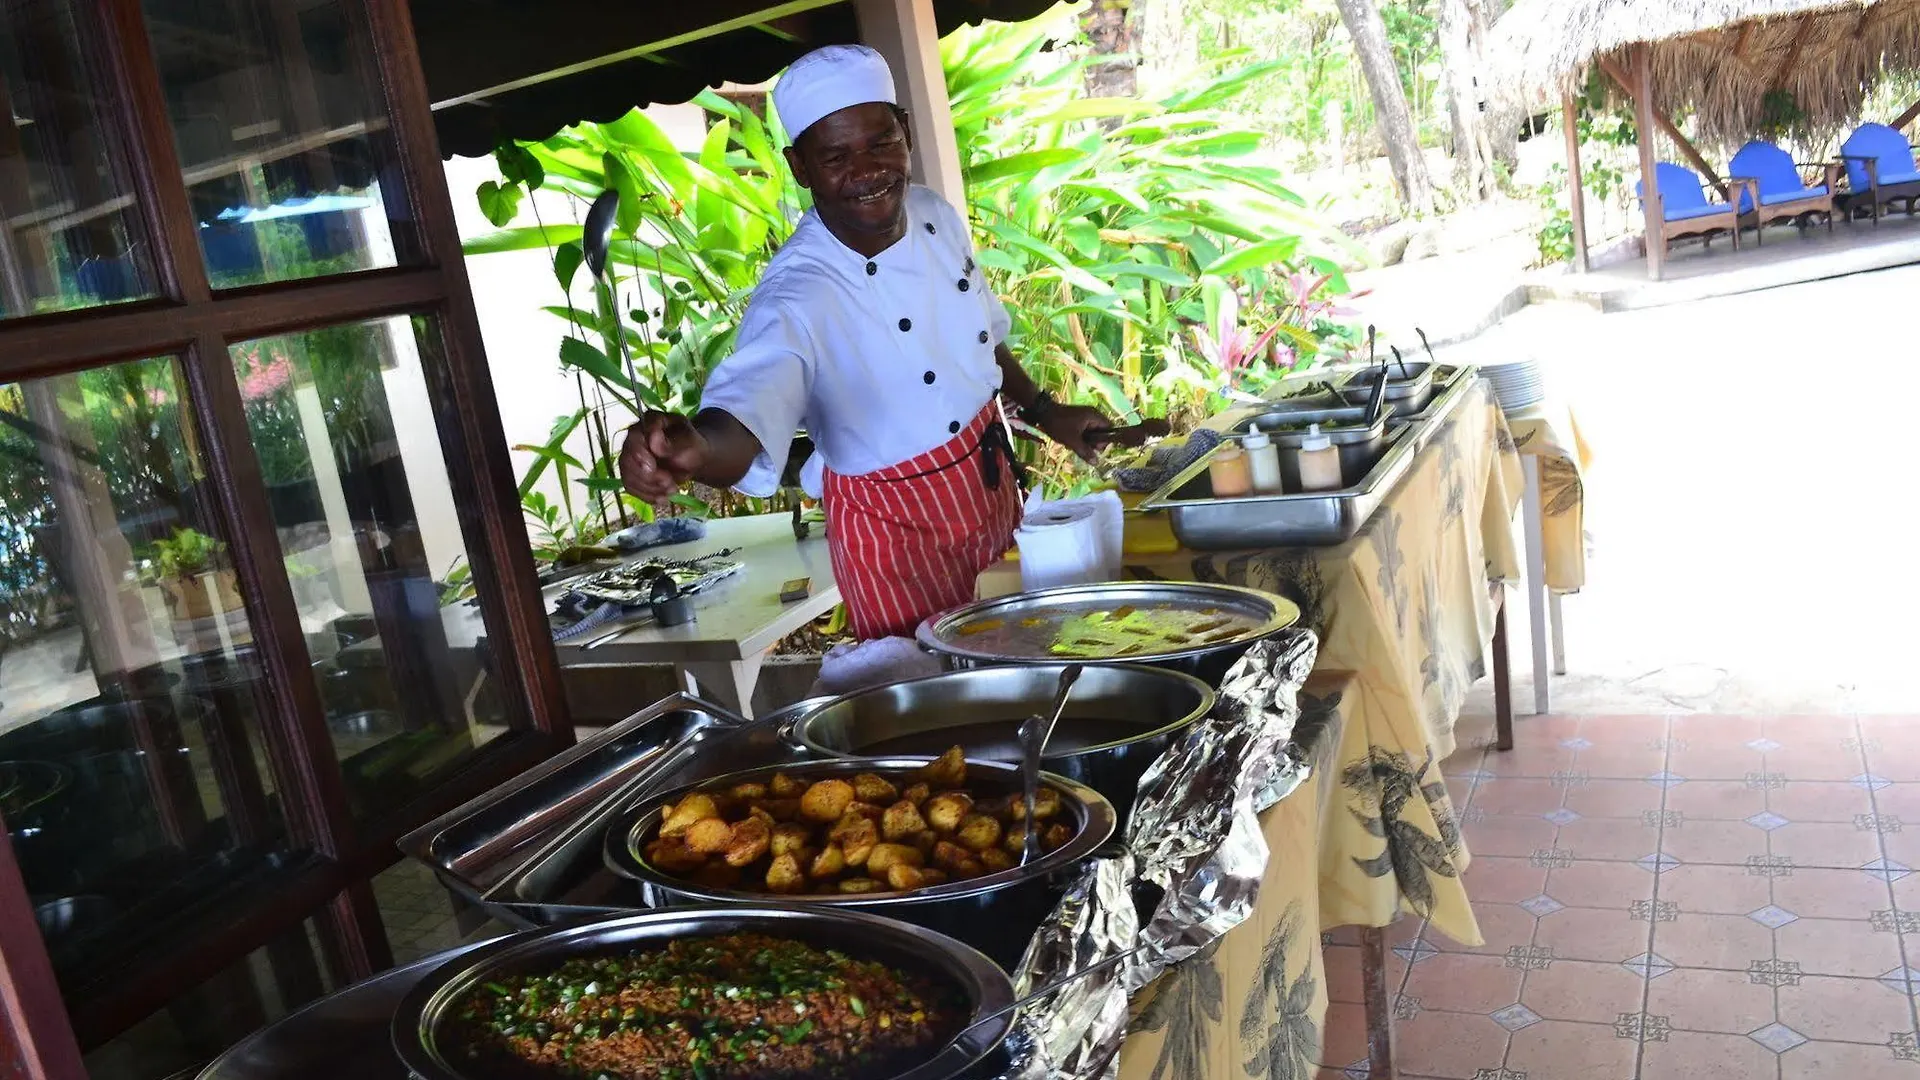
(827, 80)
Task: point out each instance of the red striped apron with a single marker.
(909, 540)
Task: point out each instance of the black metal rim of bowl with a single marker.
(1205, 696)
(988, 989)
(1282, 614)
(624, 846)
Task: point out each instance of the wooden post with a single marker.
(1576, 191)
(1379, 1003)
(1642, 92)
(1906, 118)
(905, 33)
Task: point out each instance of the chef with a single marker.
(874, 329)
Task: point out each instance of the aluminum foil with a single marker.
(1194, 846)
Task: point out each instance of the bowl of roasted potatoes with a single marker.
(936, 842)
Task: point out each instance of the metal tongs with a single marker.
(1034, 733)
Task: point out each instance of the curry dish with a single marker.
(1107, 633)
(845, 837)
(742, 1006)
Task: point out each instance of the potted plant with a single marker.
(186, 568)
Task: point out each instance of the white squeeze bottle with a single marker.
(1263, 460)
(1319, 462)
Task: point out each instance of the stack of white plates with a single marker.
(1517, 384)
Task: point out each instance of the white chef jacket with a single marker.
(880, 359)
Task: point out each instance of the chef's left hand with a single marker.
(1069, 424)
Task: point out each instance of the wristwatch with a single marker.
(1036, 413)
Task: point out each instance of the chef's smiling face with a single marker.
(855, 163)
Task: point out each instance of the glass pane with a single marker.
(200, 1024)
(350, 451)
(423, 918)
(133, 775)
(282, 130)
(70, 235)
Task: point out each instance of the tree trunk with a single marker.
(1389, 103)
(1462, 31)
(1114, 71)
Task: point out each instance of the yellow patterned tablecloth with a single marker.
(1549, 432)
(1405, 606)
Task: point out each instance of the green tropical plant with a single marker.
(187, 553)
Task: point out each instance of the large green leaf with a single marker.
(1098, 109)
(1265, 253)
(499, 202)
(525, 238)
(1165, 275)
(579, 354)
(566, 263)
(1019, 165)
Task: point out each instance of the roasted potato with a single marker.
(901, 820)
(761, 816)
(748, 791)
(859, 841)
(949, 770)
(946, 854)
(925, 839)
(944, 811)
(708, 836)
(786, 787)
(916, 793)
(997, 859)
(826, 801)
(750, 840)
(1046, 804)
(902, 877)
(785, 876)
(673, 857)
(885, 855)
(831, 862)
(691, 809)
(1056, 835)
(862, 885)
(977, 832)
(873, 788)
(781, 809)
(789, 838)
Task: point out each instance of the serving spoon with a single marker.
(1034, 733)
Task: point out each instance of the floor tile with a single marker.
(1715, 890)
(1578, 990)
(1722, 1002)
(1459, 791)
(1614, 799)
(1501, 879)
(1517, 795)
(1599, 884)
(1529, 758)
(1902, 840)
(1685, 1055)
(1720, 843)
(1501, 925)
(1514, 836)
(1828, 844)
(1459, 983)
(1716, 800)
(1596, 934)
(1448, 1045)
(1837, 947)
(1900, 764)
(1844, 1010)
(1344, 1039)
(1725, 942)
(1559, 1048)
(1715, 726)
(1622, 760)
(1819, 1060)
(1900, 799)
(1614, 839)
(1830, 894)
(1729, 757)
(1811, 800)
(1342, 964)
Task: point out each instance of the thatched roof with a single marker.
(1718, 59)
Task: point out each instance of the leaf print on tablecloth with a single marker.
(1384, 534)
(1317, 731)
(1187, 1004)
(1277, 1026)
(1383, 783)
(1560, 486)
(1503, 439)
(1438, 668)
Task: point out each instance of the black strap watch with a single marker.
(1042, 406)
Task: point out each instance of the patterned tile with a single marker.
(1551, 858)
(1765, 781)
(1765, 819)
(1666, 819)
(1846, 947)
(1844, 1010)
(1772, 917)
(1870, 782)
(1773, 866)
(1559, 816)
(1515, 1017)
(1764, 745)
(1405, 1006)
(1904, 1046)
(1665, 779)
(1901, 979)
(1886, 870)
(1722, 1002)
(1542, 905)
(1654, 910)
(1499, 1074)
(1575, 743)
(1888, 921)
(1655, 864)
(1569, 779)
(1777, 1037)
(1643, 1026)
(1775, 973)
(1649, 965)
(1529, 957)
(1880, 823)
(1415, 951)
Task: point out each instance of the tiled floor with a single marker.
(1700, 897)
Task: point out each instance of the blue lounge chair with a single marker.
(1880, 169)
(1785, 195)
(1684, 209)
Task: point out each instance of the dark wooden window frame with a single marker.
(195, 324)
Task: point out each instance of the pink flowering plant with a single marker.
(266, 376)
(1303, 325)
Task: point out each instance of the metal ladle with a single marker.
(596, 238)
(1034, 733)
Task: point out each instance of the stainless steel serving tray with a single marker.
(1204, 523)
(422, 1024)
(948, 634)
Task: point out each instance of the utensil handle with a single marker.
(1050, 988)
(1032, 731)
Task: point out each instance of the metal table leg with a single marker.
(1536, 581)
(1379, 1003)
(1559, 634)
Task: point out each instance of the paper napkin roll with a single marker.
(1061, 545)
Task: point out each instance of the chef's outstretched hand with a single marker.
(661, 454)
(1068, 425)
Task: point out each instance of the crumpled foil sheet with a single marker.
(1194, 839)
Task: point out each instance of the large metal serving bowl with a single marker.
(1118, 721)
(423, 1025)
(995, 913)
